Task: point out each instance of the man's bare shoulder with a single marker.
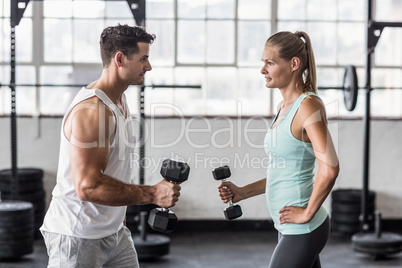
(89, 119)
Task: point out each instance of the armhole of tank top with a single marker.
(68, 113)
(128, 114)
(291, 123)
(108, 103)
(113, 136)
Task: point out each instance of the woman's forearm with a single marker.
(253, 189)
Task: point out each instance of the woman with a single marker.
(298, 136)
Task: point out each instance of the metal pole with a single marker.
(142, 136)
(366, 124)
(139, 15)
(14, 175)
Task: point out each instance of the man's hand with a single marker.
(166, 193)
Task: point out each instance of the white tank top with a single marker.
(67, 214)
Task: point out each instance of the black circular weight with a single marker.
(24, 174)
(369, 243)
(345, 218)
(350, 195)
(349, 208)
(30, 197)
(9, 208)
(23, 187)
(16, 228)
(12, 251)
(153, 247)
(350, 87)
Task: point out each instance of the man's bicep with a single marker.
(89, 145)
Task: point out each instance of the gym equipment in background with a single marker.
(365, 241)
(345, 211)
(16, 229)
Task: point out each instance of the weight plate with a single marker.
(16, 244)
(7, 227)
(350, 195)
(386, 244)
(14, 251)
(24, 174)
(25, 216)
(352, 209)
(350, 87)
(14, 207)
(23, 187)
(16, 236)
(34, 196)
(153, 247)
(342, 218)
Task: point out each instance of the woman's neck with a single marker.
(289, 96)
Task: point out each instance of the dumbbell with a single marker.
(232, 211)
(163, 219)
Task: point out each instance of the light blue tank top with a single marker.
(290, 172)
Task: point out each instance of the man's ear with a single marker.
(118, 59)
(295, 61)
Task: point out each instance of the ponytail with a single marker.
(297, 44)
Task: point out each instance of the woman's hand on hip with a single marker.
(293, 214)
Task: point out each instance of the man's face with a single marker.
(137, 65)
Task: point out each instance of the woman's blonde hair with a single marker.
(298, 45)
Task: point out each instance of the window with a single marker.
(213, 43)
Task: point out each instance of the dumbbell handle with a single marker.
(230, 203)
(166, 209)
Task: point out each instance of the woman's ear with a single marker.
(295, 61)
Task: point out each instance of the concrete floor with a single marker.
(229, 249)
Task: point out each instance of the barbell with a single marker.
(350, 87)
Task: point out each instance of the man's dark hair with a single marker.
(122, 38)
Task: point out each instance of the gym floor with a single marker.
(229, 249)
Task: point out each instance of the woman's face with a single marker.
(278, 72)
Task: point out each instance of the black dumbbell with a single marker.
(232, 211)
(163, 219)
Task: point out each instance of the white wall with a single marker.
(207, 143)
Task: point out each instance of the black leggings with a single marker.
(296, 251)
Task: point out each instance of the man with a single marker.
(84, 224)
